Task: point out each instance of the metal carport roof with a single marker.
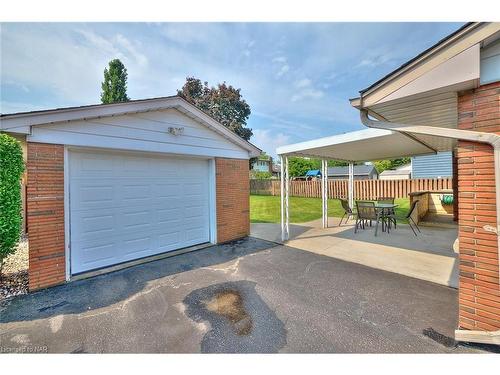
(358, 146)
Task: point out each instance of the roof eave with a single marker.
(22, 122)
(467, 36)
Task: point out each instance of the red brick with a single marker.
(45, 215)
(233, 199)
(479, 290)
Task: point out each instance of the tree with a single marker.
(382, 165)
(299, 166)
(12, 167)
(224, 103)
(338, 163)
(258, 175)
(114, 86)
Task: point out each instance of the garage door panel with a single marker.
(169, 241)
(131, 220)
(169, 218)
(92, 254)
(132, 206)
(167, 190)
(141, 246)
(92, 226)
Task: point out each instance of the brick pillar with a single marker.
(45, 206)
(479, 289)
(233, 199)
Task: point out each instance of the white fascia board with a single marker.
(472, 35)
(303, 147)
(463, 67)
(21, 123)
(202, 117)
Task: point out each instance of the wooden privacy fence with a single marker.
(363, 189)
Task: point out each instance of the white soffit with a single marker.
(463, 67)
(363, 145)
(433, 108)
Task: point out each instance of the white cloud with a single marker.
(303, 83)
(284, 69)
(306, 94)
(140, 58)
(279, 59)
(268, 140)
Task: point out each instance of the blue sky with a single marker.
(297, 77)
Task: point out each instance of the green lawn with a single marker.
(266, 208)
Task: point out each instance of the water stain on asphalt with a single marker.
(229, 304)
(240, 321)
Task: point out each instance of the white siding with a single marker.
(146, 131)
(490, 63)
(432, 166)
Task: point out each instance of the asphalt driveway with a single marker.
(246, 296)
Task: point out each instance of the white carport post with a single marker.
(350, 186)
(284, 199)
(324, 192)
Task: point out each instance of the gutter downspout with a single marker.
(466, 135)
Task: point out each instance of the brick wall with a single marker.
(479, 292)
(45, 209)
(233, 194)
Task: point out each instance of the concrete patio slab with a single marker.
(428, 256)
(288, 300)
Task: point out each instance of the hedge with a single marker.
(11, 169)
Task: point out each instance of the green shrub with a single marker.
(11, 169)
(258, 175)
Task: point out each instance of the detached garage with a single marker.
(110, 184)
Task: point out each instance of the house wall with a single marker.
(490, 63)
(233, 199)
(146, 131)
(45, 207)
(479, 292)
(429, 166)
(394, 177)
(262, 166)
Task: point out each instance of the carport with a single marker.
(354, 147)
(444, 99)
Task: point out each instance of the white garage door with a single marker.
(126, 206)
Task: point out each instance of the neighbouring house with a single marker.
(403, 172)
(264, 163)
(114, 183)
(432, 166)
(276, 170)
(361, 172)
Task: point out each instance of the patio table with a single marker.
(385, 207)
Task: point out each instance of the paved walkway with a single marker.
(429, 256)
(247, 296)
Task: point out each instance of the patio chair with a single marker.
(366, 212)
(347, 211)
(408, 217)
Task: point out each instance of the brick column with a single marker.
(233, 199)
(45, 206)
(479, 290)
